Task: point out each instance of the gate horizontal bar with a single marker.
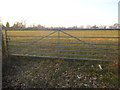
(65, 54)
(84, 55)
(65, 47)
(38, 53)
(63, 57)
(23, 36)
(65, 50)
(63, 36)
(64, 43)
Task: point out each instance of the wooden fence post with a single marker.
(6, 43)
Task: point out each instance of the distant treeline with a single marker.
(23, 25)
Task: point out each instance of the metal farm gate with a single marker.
(82, 44)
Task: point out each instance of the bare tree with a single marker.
(88, 26)
(81, 27)
(18, 25)
(95, 27)
(40, 26)
(116, 25)
(7, 25)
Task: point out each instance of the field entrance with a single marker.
(82, 44)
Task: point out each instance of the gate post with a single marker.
(6, 43)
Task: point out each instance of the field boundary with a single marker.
(58, 44)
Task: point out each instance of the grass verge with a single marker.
(28, 72)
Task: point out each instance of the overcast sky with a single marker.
(60, 12)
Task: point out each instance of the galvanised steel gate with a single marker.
(82, 44)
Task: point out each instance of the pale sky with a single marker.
(60, 12)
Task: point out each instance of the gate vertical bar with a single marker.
(6, 43)
(58, 44)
